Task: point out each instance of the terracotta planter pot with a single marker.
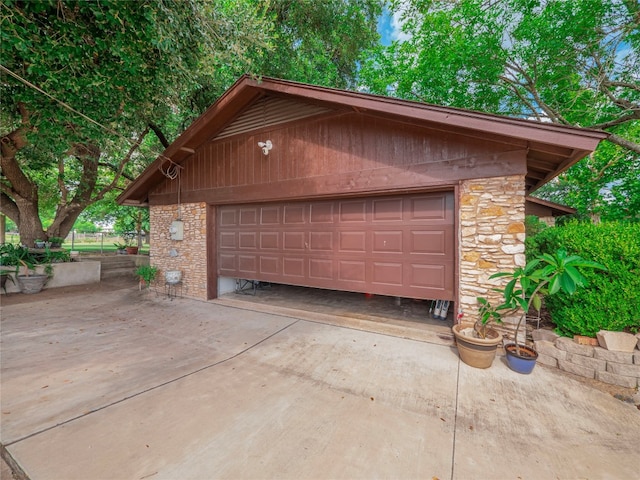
(477, 352)
(132, 250)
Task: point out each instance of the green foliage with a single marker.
(612, 299)
(13, 256)
(546, 275)
(533, 225)
(147, 273)
(569, 62)
(136, 68)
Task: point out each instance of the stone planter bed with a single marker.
(592, 362)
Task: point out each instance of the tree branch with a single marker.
(159, 134)
(120, 170)
(9, 208)
(623, 142)
(612, 123)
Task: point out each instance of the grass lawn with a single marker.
(87, 243)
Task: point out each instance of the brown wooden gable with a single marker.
(365, 131)
(342, 154)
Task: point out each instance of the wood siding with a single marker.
(347, 154)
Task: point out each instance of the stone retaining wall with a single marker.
(616, 368)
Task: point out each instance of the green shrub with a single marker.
(611, 301)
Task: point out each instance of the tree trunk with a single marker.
(30, 227)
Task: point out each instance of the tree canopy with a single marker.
(93, 91)
(567, 62)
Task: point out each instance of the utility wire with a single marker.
(70, 108)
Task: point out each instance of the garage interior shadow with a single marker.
(395, 310)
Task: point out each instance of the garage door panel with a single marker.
(396, 245)
(387, 273)
(228, 240)
(249, 216)
(293, 267)
(352, 271)
(352, 211)
(352, 242)
(228, 218)
(269, 265)
(270, 215)
(294, 214)
(321, 213)
(321, 268)
(294, 240)
(387, 241)
(437, 209)
(248, 240)
(321, 241)
(247, 264)
(269, 240)
(429, 242)
(228, 263)
(428, 276)
(387, 210)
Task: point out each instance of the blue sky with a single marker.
(386, 28)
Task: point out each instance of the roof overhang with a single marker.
(554, 209)
(551, 148)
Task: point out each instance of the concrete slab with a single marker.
(62, 360)
(541, 426)
(119, 385)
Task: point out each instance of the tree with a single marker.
(567, 62)
(128, 67)
(143, 71)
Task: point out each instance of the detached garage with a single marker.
(302, 185)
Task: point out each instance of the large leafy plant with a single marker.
(545, 275)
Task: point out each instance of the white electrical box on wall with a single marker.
(176, 230)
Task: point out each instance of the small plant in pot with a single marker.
(121, 248)
(525, 289)
(56, 242)
(147, 274)
(478, 342)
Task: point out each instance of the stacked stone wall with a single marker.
(492, 235)
(616, 368)
(191, 256)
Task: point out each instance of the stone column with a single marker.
(492, 234)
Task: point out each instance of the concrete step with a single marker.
(118, 266)
(117, 273)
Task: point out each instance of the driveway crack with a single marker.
(155, 387)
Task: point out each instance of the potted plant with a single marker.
(131, 250)
(526, 287)
(29, 281)
(478, 342)
(10, 256)
(121, 248)
(39, 243)
(56, 242)
(147, 274)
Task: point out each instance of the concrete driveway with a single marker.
(117, 384)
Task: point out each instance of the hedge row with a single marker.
(612, 299)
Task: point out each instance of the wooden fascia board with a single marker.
(222, 111)
(545, 133)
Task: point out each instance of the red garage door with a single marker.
(398, 245)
